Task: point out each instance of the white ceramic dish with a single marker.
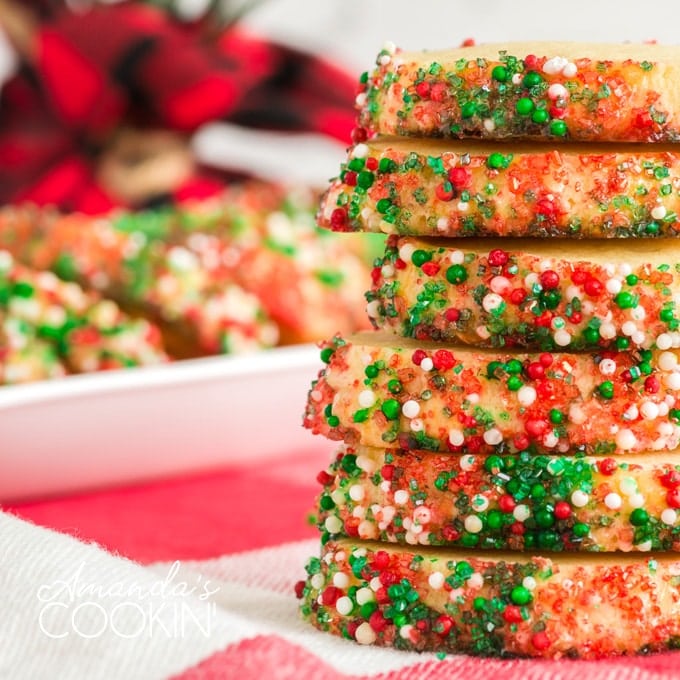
(89, 431)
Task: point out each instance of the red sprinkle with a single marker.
(530, 61)
(562, 510)
(299, 589)
(338, 218)
(593, 287)
(418, 356)
(351, 178)
(330, 595)
(444, 192)
(579, 277)
(443, 360)
(512, 614)
(535, 370)
(451, 534)
(387, 472)
(381, 560)
(521, 442)
(549, 279)
(546, 359)
(443, 624)
(670, 479)
(607, 466)
(452, 315)
(377, 621)
(536, 427)
(359, 135)
(399, 264)
(540, 641)
(324, 478)
(673, 498)
(652, 384)
(498, 258)
(506, 503)
(423, 89)
(430, 268)
(460, 177)
(372, 164)
(518, 296)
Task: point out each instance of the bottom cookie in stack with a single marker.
(494, 603)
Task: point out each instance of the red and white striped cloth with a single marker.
(192, 579)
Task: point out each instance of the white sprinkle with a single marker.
(613, 286)
(357, 492)
(638, 313)
(649, 410)
(529, 582)
(646, 546)
(491, 302)
(562, 338)
(638, 337)
(387, 271)
(475, 581)
(341, 580)
(483, 332)
(607, 366)
(607, 330)
(636, 500)
(411, 408)
(406, 251)
(579, 499)
(436, 580)
(526, 395)
(554, 65)
(443, 224)
(422, 515)
(628, 328)
(672, 381)
(550, 440)
(456, 437)
(373, 309)
(366, 398)
(516, 78)
(317, 581)
(405, 631)
(365, 463)
(669, 517)
(463, 206)
(493, 436)
(664, 341)
(384, 59)
(473, 524)
(473, 398)
(489, 125)
(613, 501)
(333, 524)
(375, 584)
(364, 634)
(631, 413)
(360, 151)
(401, 497)
(557, 91)
(521, 513)
(427, 364)
(457, 257)
(467, 463)
(338, 497)
(625, 439)
(364, 595)
(628, 486)
(360, 99)
(416, 425)
(576, 414)
(659, 212)
(479, 503)
(570, 70)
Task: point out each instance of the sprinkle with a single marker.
(570, 70)
(411, 408)
(669, 517)
(628, 486)
(526, 395)
(473, 524)
(554, 65)
(436, 580)
(607, 331)
(364, 634)
(636, 500)
(577, 415)
(480, 503)
(562, 338)
(658, 213)
(341, 580)
(401, 497)
(607, 366)
(357, 492)
(628, 328)
(333, 524)
(672, 381)
(456, 437)
(366, 398)
(455, 257)
(405, 631)
(529, 582)
(493, 437)
(613, 501)
(521, 513)
(626, 439)
(664, 341)
(557, 91)
(317, 581)
(427, 364)
(373, 309)
(467, 463)
(579, 499)
(649, 410)
(360, 151)
(475, 581)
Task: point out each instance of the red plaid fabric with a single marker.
(133, 64)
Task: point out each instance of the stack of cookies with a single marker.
(509, 477)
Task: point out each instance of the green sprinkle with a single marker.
(556, 416)
(520, 596)
(500, 74)
(420, 257)
(540, 116)
(365, 179)
(606, 389)
(468, 110)
(394, 386)
(326, 354)
(524, 106)
(383, 205)
(371, 371)
(514, 383)
(456, 274)
(532, 79)
(631, 279)
(558, 128)
(361, 416)
(625, 300)
(391, 409)
(639, 517)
